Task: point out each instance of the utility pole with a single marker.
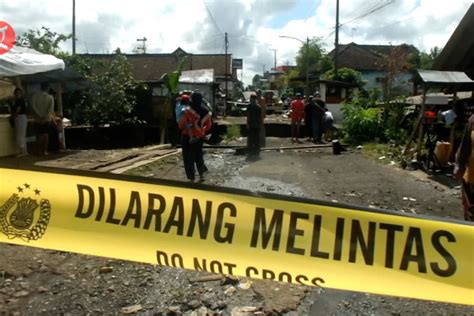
(275, 57)
(143, 40)
(306, 61)
(73, 27)
(227, 109)
(336, 44)
(263, 70)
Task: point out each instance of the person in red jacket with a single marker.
(297, 113)
(195, 122)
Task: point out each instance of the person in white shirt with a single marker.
(42, 106)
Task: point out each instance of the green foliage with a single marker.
(295, 84)
(424, 60)
(110, 98)
(232, 133)
(383, 153)
(256, 81)
(362, 118)
(318, 61)
(171, 79)
(395, 129)
(346, 75)
(366, 120)
(43, 40)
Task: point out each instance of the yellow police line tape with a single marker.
(238, 232)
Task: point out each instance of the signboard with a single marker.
(237, 63)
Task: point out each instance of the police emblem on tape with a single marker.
(25, 214)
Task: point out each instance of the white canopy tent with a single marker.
(18, 64)
(26, 61)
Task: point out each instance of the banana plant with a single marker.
(171, 81)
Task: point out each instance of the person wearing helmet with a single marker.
(181, 104)
(194, 123)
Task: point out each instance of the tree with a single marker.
(424, 60)
(43, 40)
(171, 81)
(256, 81)
(110, 96)
(318, 60)
(345, 74)
(397, 62)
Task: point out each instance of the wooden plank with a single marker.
(144, 162)
(156, 147)
(120, 159)
(131, 161)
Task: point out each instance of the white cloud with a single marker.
(105, 25)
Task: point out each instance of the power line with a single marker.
(371, 11)
(212, 17)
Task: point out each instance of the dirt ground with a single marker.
(34, 281)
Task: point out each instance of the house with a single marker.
(377, 62)
(151, 67)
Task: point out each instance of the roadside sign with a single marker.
(7, 37)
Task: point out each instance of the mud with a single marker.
(34, 281)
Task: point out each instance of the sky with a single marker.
(254, 27)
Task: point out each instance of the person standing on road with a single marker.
(318, 114)
(19, 112)
(42, 105)
(464, 169)
(194, 123)
(254, 123)
(328, 125)
(308, 117)
(297, 113)
(263, 106)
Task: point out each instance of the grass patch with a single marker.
(383, 153)
(232, 133)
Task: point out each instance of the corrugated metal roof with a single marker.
(446, 77)
(197, 76)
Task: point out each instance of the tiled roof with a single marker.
(368, 57)
(151, 67)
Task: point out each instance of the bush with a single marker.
(232, 133)
(396, 124)
(362, 118)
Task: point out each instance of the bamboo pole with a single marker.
(452, 130)
(59, 102)
(421, 127)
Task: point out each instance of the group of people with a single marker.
(314, 113)
(317, 118)
(42, 110)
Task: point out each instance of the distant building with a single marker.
(374, 63)
(285, 68)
